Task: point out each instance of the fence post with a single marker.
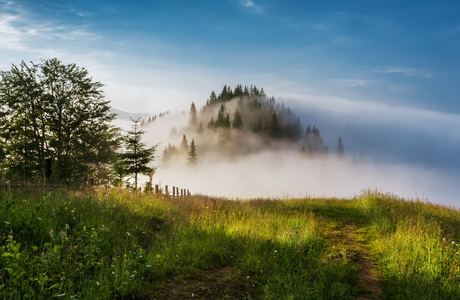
(166, 190)
(188, 193)
(174, 191)
(156, 189)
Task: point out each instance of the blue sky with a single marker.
(158, 55)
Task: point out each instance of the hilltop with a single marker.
(235, 122)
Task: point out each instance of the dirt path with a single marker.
(345, 236)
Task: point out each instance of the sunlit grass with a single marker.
(105, 244)
(416, 244)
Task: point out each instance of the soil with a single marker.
(368, 280)
(224, 283)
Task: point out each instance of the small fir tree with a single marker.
(192, 158)
(136, 157)
(184, 144)
(340, 148)
(193, 121)
(237, 120)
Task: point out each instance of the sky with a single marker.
(378, 73)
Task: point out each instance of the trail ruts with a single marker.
(369, 284)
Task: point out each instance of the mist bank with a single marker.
(288, 174)
(383, 133)
(412, 154)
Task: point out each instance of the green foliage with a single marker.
(254, 112)
(193, 120)
(192, 157)
(237, 120)
(54, 111)
(313, 142)
(136, 157)
(416, 245)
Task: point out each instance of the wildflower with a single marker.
(158, 256)
(453, 243)
(39, 219)
(97, 283)
(248, 277)
(275, 251)
(129, 234)
(72, 211)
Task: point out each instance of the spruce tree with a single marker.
(184, 144)
(237, 120)
(136, 157)
(192, 158)
(274, 126)
(340, 148)
(193, 121)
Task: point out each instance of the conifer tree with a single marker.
(135, 159)
(274, 126)
(340, 148)
(220, 122)
(192, 158)
(237, 120)
(212, 98)
(193, 121)
(184, 144)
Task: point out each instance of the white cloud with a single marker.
(250, 4)
(352, 82)
(409, 72)
(375, 112)
(247, 3)
(21, 31)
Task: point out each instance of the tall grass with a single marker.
(416, 244)
(109, 244)
(116, 243)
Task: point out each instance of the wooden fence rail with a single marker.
(176, 192)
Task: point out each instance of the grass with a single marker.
(117, 244)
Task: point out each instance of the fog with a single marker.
(374, 160)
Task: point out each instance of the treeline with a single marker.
(234, 112)
(56, 127)
(254, 111)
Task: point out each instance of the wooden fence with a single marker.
(176, 191)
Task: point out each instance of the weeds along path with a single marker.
(344, 240)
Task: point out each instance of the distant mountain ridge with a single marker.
(124, 115)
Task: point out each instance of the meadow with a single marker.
(121, 244)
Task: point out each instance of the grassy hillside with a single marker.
(118, 244)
